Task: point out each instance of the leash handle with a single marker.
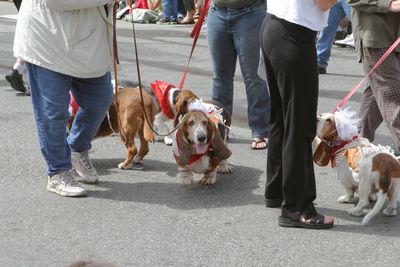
(377, 64)
(195, 35)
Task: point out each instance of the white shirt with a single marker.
(302, 12)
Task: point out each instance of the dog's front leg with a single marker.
(224, 167)
(185, 175)
(364, 190)
(161, 127)
(209, 177)
(348, 197)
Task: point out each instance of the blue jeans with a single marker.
(170, 9)
(50, 99)
(324, 43)
(232, 34)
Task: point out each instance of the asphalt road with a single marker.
(146, 217)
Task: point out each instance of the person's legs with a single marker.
(385, 86)
(223, 57)
(324, 43)
(93, 97)
(245, 26)
(370, 115)
(50, 101)
(294, 93)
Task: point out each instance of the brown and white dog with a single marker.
(379, 173)
(175, 104)
(198, 148)
(338, 142)
(133, 122)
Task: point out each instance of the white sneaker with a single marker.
(64, 184)
(84, 167)
(348, 41)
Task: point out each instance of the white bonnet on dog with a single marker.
(346, 124)
(199, 106)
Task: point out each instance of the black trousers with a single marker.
(17, 3)
(291, 63)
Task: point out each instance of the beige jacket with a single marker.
(374, 26)
(72, 37)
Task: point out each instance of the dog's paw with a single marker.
(168, 141)
(125, 166)
(188, 181)
(346, 199)
(224, 169)
(373, 197)
(137, 159)
(389, 211)
(207, 181)
(356, 212)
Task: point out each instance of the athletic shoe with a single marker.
(163, 21)
(64, 184)
(84, 167)
(15, 80)
(346, 42)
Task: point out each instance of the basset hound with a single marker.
(379, 173)
(337, 141)
(133, 122)
(199, 148)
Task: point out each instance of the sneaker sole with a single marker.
(66, 194)
(82, 179)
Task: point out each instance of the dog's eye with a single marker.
(205, 123)
(191, 123)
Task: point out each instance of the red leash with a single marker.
(350, 94)
(195, 35)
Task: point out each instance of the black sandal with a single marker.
(316, 222)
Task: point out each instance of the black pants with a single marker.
(291, 63)
(17, 3)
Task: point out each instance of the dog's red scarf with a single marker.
(161, 90)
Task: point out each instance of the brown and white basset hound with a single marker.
(338, 142)
(379, 173)
(133, 123)
(198, 148)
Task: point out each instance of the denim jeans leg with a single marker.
(247, 42)
(223, 57)
(167, 9)
(93, 97)
(346, 8)
(324, 43)
(50, 100)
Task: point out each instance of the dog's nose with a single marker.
(201, 138)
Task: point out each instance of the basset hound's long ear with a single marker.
(322, 154)
(220, 150)
(182, 104)
(184, 147)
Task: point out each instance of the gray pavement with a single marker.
(145, 217)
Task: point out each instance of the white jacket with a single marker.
(72, 37)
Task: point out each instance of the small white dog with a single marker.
(378, 173)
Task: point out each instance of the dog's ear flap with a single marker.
(181, 108)
(219, 147)
(184, 147)
(322, 154)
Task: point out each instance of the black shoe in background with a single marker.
(16, 82)
(321, 70)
